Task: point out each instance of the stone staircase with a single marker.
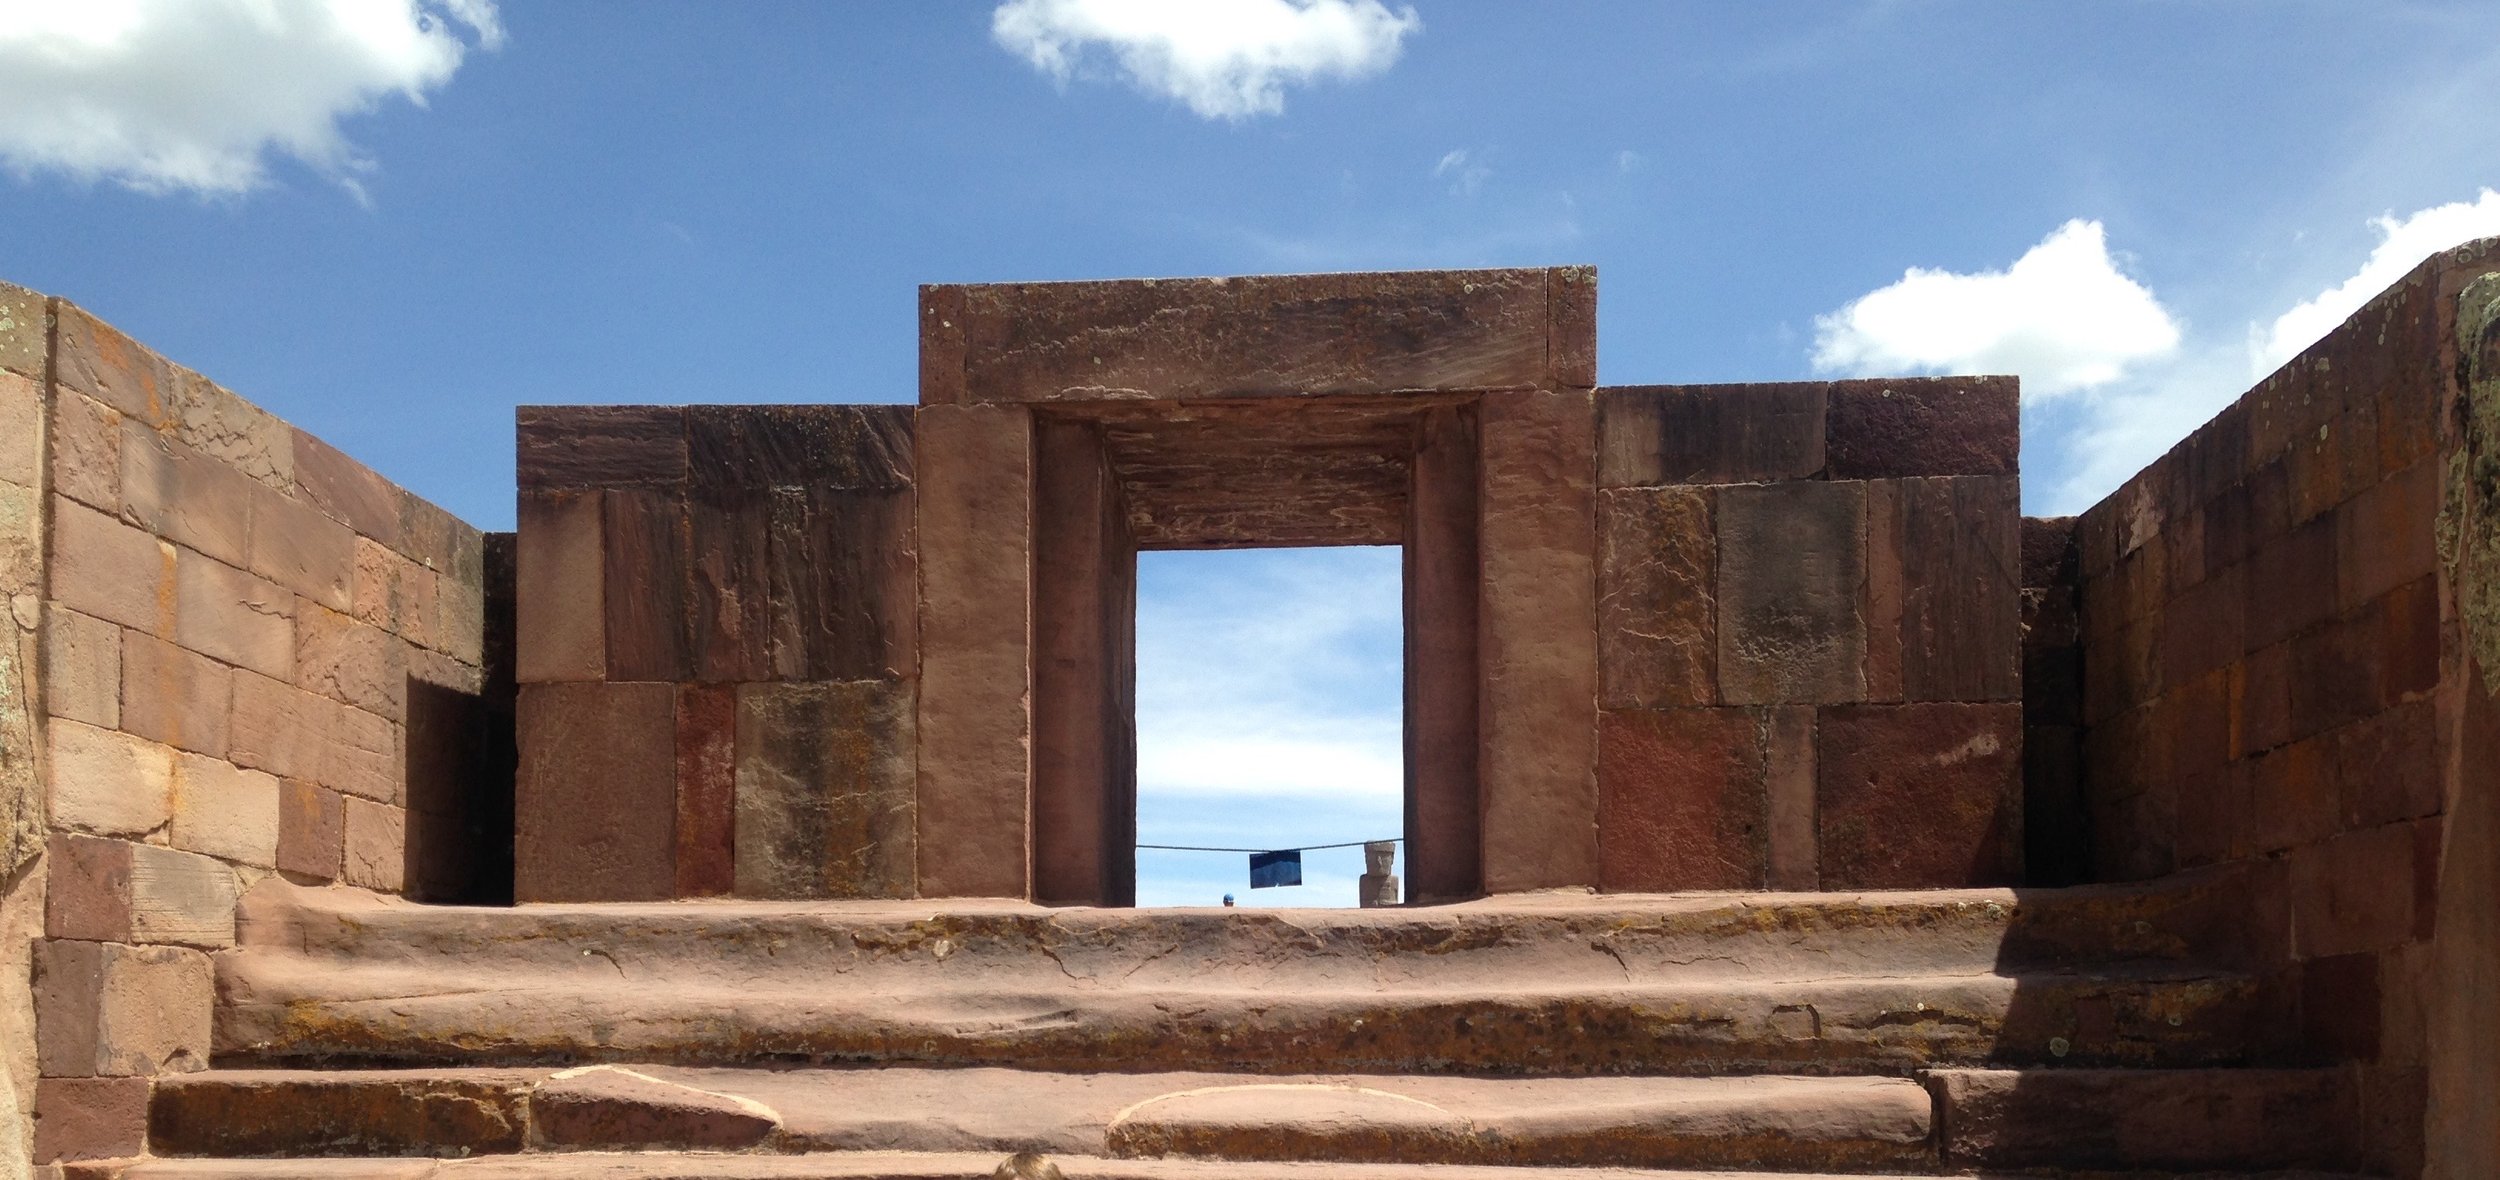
(2066, 1031)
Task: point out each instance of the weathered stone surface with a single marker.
(1920, 796)
(377, 846)
(107, 1010)
(1709, 434)
(596, 804)
(842, 576)
(347, 490)
(1539, 654)
(350, 662)
(21, 543)
(729, 589)
(2354, 892)
(25, 331)
(82, 667)
(184, 496)
(1789, 768)
(301, 548)
(107, 569)
(361, 755)
(575, 447)
(90, 1119)
(225, 811)
(1082, 712)
(975, 520)
(1958, 548)
(90, 356)
(86, 446)
(312, 829)
(239, 1113)
(643, 561)
(1266, 471)
(741, 449)
(1791, 560)
(1443, 587)
(1268, 335)
(108, 782)
(232, 431)
(2184, 1120)
(560, 596)
(1906, 427)
(2387, 535)
(279, 728)
(825, 790)
(222, 612)
(180, 899)
(707, 778)
(398, 595)
(612, 1108)
(1681, 799)
(89, 893)
(174, 696)
(1657, 611)
(22, 453)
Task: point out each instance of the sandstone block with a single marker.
(222, 612)
(1791, 560)
(350, 662)
(312, 830)
(1571, 337)
(560, 592)
(234, 432)
(82, 667)
(279, 728)
(596, 801)
(21, 542)
(174, 696)
(842, 580)
(2387, 766)
(90, 356)
(107, 569)
(108, 1010)
(346, 489)
(1789, 767)
(88, 896)
(941, 345)
(460, 610)
(573, 447)
(108, 782)
(643, 547)
(90, 1119)
(184, 496)
(1891, 429)
(22, 452)
(180, 899)
(360, 756)
(735, 450)
(25, 331)
(606, 1107)
(377, 844)
(299, 547)
(707, 777)
(825, 803)
(2386, 536)
(729, 590)
(223, 810)
(2293, 797)
(86, 441)
(2291, 582)
(1709, 434)
(2145, 1120)
(1957, 555)
(1658, 643)
(361, 1113)
(2353, 892)
(1682, 802)
(1919, 796)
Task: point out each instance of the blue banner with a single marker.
(1271, 869)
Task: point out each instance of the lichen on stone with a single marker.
(2469, 514)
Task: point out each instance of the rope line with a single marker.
(1303, 848)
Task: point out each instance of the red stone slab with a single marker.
(596, 802)
(1920, 796)
(1900, 427)
(1682, 797)
(1709, 434)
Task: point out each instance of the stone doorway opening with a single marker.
(1270, 715)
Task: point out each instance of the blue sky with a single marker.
(391, 222)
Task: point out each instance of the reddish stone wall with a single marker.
(257, 657)
(1808, 612)
(717, 652)
(2273, 673)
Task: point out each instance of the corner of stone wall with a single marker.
(25, 356)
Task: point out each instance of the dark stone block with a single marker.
(736, 450)
(1658, 643)
(825, 790)
(644, 552)
(1792, 561)
(1887, 429)
(2291, 582)
(2145, 1120)
(1959, 558)
(596, 812)
(573, 447)
(842, 584)
(1709, 434)
(707, 770)
(1683, 801)
(730, 590)
(1920, 796)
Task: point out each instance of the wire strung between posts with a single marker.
(1304, 848)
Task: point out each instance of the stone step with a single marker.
(1845, 1124)
(2158, 1120)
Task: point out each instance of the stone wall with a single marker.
(1808, 610)
(2276, 679)
(256, 657)
(717, 652)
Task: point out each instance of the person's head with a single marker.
(1025, 1165)
(1228, 899)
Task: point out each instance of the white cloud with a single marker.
(1464, 172)
(2403, 243)
(2063, 317)
(174, 95)
(1224, 59)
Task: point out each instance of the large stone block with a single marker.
(2387, 536)
(223, 810)
(1269, 335)
(560, 588)
(1709, 434)
(1952, 563)
(86, 451)
(842, 581)
(975, 767)
(1790, 764)
(279, 728)
(1682, 799)
(596, 801)
(301, 548)
(89, 1119)
(351, 662)
(1657, 611)
(95, 359)
(729, 590)
(2354, 892)
(223, 612)
(1792, 559)
(1920, 796)
(707, 776)
(108, 1010)
(108, 782)
(735, 451)
(175, 696)
(643, 564)
(574, 447)
(184, 496)
(232, 431)
(347, 490)
(25, 331)
(82, 667)
(361, 756)
(107, 569)
(1907, 427)
(2291, 582)
(312, 830)
(825, 790)
(2142, 1121)
(1538, 549)
(22, 452)
(376, 851)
